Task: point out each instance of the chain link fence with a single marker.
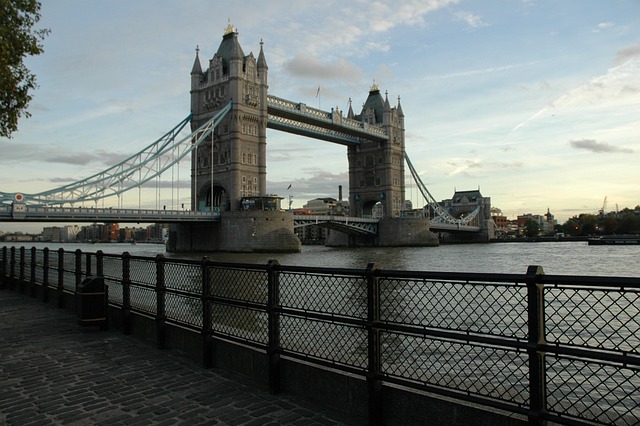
(554, 348)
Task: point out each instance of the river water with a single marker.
(562, 258)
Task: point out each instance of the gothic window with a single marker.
(369, 161)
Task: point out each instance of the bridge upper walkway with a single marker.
(301, 119)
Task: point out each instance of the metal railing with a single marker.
(549, 347)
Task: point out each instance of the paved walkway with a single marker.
(52, 371)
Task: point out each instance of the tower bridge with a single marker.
(230, 113)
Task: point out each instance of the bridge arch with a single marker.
(212, 198)
(373, 209)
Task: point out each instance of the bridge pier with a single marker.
(239, 231)
(392, 232)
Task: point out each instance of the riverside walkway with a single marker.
(53, 371)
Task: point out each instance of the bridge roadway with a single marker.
(27, 213)
(367, 226)
(347, 224)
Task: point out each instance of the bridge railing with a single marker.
(548, 347)
(327, 117)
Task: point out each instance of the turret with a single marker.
(196, 79)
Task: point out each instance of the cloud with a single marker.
(466, 167)
(597, 147)
(616, 89)
(474, 21)
(627, 53)
(306, 66)
(317, 183)
(603, 26)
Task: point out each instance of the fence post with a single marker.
(273, 306)
(45, 275)
(207, 337)
(537, 373)
(88, 261)
(22, 262)
(78, 269)
(12, 269)
(100, 263)
(160, 302)
(34, 266)
(374, 384)
(60, 278)
(3, 267)
(126, 293)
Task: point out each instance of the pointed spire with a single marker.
(350, 114)
(262, 62)
(400, 107)
(387, 107)
(230, 28)
(196, 69)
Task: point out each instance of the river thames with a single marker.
(563, 258)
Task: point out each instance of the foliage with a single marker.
(624, 222)
(531, 228)
(17, 40)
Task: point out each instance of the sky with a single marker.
(535, 102)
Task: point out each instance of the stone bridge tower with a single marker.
(232, 164)
(376, 169)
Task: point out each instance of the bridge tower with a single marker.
(376, 169)
(233, 163)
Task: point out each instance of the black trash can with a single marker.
(92, 302)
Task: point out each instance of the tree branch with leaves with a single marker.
(18, 39)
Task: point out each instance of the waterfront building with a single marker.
(69, 232)
(51, 233)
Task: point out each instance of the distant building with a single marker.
(464, 203)
(546, 222)
(69, 232)
(51, 233)
(501, 222)
(325, 206)
(314, 234)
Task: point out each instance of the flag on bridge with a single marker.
(289, 187)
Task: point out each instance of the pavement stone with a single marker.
(55, 372)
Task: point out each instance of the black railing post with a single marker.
(273, 305)
(3, 267)
(100, 263)
(78, 269)
(22, 264)
(537, 373)
(160, 302)
(88, 262)
(126, 293)
(12, 269)
(45, 275)
(374, 384)
(60, 278)
(34, 266)
(207, 337)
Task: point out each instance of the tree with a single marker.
(17, 40)
(531, 228)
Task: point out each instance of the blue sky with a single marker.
(535, 102)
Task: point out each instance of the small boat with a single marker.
(618, 240)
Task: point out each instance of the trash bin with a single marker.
(92, 302)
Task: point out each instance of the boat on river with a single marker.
(615, 240)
